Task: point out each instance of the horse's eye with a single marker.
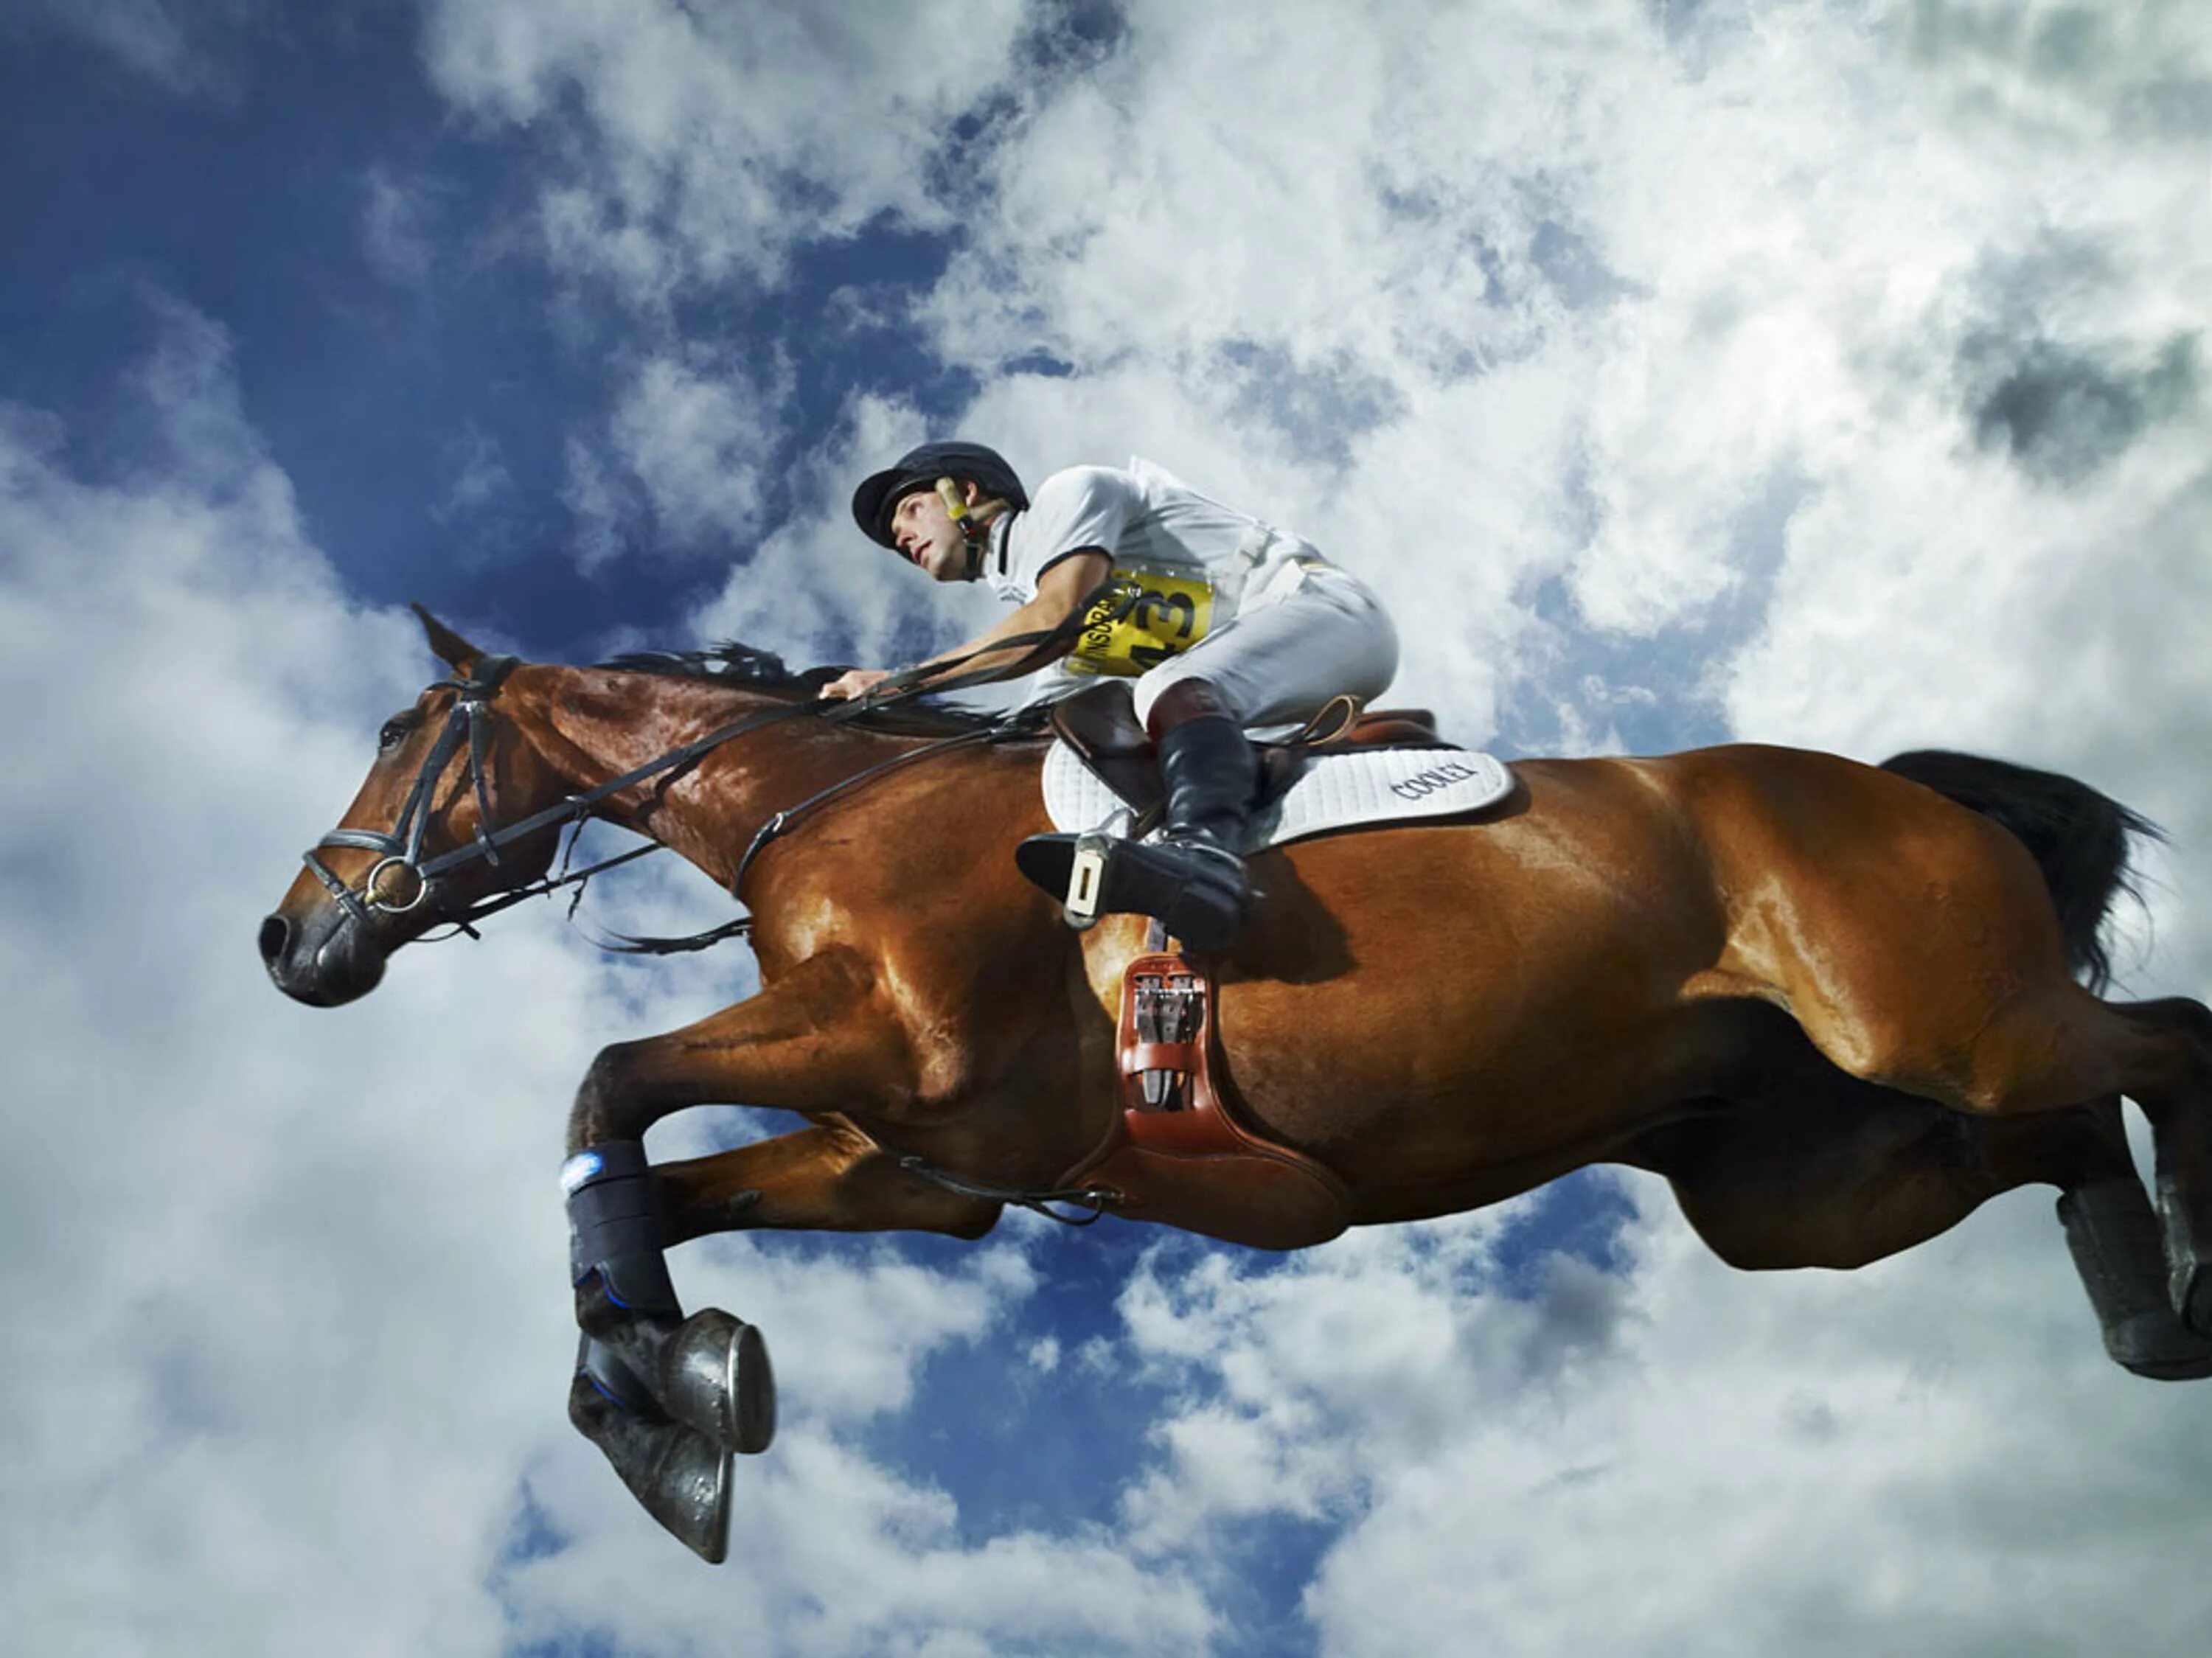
(390, 737)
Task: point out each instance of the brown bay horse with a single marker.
(1837, 1007)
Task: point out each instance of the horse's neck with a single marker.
(602, 724)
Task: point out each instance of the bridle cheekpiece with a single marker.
(402, 844)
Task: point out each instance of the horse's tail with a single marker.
(2078, 836)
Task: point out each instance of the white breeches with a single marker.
(1277, 664)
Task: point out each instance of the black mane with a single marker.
(746, 667)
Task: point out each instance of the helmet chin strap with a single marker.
(975, 528)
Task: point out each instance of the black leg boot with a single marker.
(1193, 882)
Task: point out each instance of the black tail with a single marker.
(2078, 836)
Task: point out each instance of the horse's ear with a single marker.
(455, 651)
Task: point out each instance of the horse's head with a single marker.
(414, 850)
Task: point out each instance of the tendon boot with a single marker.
(2113, 1237)
(710, 1371)
(1193, 881)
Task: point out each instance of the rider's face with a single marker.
(924, 532)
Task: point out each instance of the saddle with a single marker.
(1099, 723)
(1175, 1153)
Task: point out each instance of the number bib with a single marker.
(1173, 610)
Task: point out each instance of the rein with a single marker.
(401, 846)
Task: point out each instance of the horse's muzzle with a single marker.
(324, 958)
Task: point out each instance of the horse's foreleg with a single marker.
(812, 1042)
(668, 1398)
(667, 1405)
(822, 1179)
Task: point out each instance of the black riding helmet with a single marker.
(880, 493)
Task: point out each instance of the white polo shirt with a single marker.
(1143, 516)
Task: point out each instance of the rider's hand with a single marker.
(855, 683)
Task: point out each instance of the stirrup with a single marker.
(1201, 898)
(1087, 881)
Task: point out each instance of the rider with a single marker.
(1235, 625)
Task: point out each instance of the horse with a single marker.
(1837, 1007)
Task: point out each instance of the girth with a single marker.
(1176, 1151)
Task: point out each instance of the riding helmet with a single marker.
(880, 493)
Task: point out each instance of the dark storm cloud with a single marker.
(2066, 411)
(1578, 1317)
(2122, 63)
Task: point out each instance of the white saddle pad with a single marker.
(1335, 791)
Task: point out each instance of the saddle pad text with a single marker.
(1334, 791)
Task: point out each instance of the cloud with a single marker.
(399, 227)
(682, 467)
(287, 1285)
(1680, 1458)
(717, 139)
(816, 590)
(2064, 413)
(480, 478)
(1828, 369)
(185, 50)
(2142, 73)
(1841, 362)
(1529, 298)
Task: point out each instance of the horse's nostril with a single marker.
(275, 933)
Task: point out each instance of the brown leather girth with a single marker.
(1196, 1167)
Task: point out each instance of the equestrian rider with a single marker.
(1225, 623)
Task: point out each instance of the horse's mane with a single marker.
(747, 667)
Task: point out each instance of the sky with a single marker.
(1820, 372)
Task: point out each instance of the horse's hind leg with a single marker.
(2001, 1050)
(2037, 1050)
(1916, 946)
(1782, 1158)
(1826, 1171)
(1835, 1172)
(2162, 1052)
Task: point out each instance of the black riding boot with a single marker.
(1193, 881)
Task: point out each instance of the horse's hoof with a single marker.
(715, 1377)
(2157, 1345)
(2191, 1289)
(2189, 1278)
(2114, 1238)
(678, 1476)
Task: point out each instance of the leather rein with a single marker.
(466, 722)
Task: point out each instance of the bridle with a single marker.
(401, 846)
(465, 722)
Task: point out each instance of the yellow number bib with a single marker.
(1172, 611)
